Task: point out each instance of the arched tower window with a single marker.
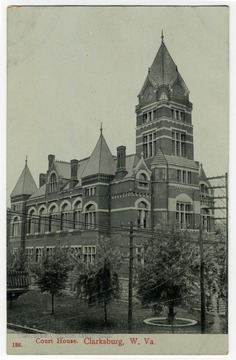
(90, 217)
(53, 183)
(16, 226)
(77, 215)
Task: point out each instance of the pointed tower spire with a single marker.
(101, 160)
(25, 184)
(162, 59)
(162, 37)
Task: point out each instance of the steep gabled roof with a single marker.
(25, 184)
(101, 161)
(63, 169)
(141, 165)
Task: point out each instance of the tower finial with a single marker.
(162, 37)
(26, 160)
(101, 128)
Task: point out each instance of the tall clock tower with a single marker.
(164, 137)
(164, 111)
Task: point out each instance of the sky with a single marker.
(72, 68)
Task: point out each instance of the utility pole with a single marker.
(220, 184)
(227, 256)
(131, 259)
(202, 285)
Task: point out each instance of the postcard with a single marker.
(117, 180)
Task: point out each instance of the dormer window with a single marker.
(53, 183)
(143, 181)
(204, 189)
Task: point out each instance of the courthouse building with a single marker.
(77, 201)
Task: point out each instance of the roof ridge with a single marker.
(63, 162)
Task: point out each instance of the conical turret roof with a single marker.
(25, 184)
(159, 159)
(101, 161)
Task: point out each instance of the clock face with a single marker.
(148, 93)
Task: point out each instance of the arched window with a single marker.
(16, 226)
(90, 217)
(42, 220)
(77, 215)
(204, 189)
(65, 221)
(142, 214)
(32, 222)
(53, 183)
(53, 219)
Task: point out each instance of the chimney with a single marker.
(74, 164)
(121, 162)
(42, 179)
(51, 159)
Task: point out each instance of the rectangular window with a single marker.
(178, 144)
(149, 145)
(38, 253)
(189, 177)
(49, 250)
(139, 255)
(15, 251)
(179, 176)
(184, 215)
(76, 250)
(29, 253)
(90, 191)
(206, 222)
(163, 174)
(184, 176)
(89, 253)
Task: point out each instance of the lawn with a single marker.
(33, 309)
